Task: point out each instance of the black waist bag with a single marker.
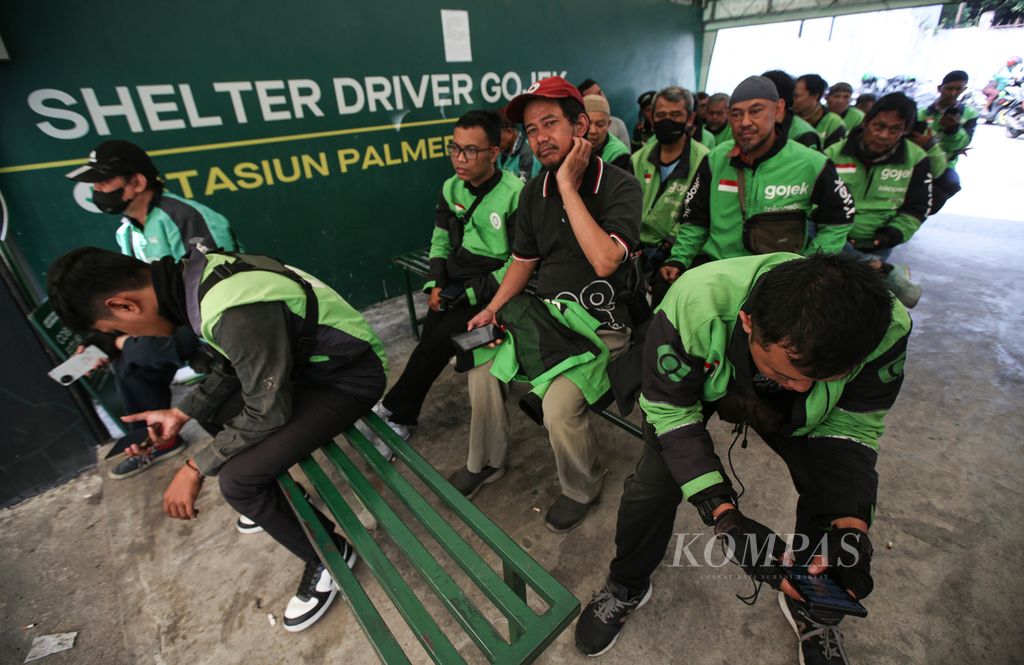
(770, 232)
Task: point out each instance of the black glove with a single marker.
(887, 237)
(753, 546)
(849, 560)
(105, 342)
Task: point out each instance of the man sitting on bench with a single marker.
(308, 366)
(580, 221)
(468, 255)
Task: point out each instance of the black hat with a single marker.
(955, 75)
(113, 158)
(646, 99)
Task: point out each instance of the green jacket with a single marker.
(895, 192)
(252, 310)
(788, 178)
(546, 339)
(697, 353)
(174, 226)
(953, 143)
(519, 161)
(852, 118)
(705, 137)
(615, 152)
(722, 135)
(474, 251)
(800, 130)
(830, 128)
(663, 200)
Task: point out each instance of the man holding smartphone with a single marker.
(579, 222)
(469, 252)
(952, 122)
(814, 377)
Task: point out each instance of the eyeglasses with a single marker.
(470, 152)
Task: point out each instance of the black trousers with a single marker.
(144, 372)
(647, 513)
(428, 360)
(248, 481)
(943, 189)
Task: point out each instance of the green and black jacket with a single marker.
(952, 142)
(615, 152)
(722, 135)
(799, 130)
(257, 313)
(895, 192)
(852, 118)
(663, 199)
(697, 359)
(830, 128)
(789, 178)
(173, 227)
(474, 251)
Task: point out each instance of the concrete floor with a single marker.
(98, 557)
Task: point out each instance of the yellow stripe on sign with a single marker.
(39, 166)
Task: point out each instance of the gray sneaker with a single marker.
(379, 445)
(898, 281)
(469, 483)
(131, 466)
(819, 643)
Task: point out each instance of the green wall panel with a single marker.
(239, 104)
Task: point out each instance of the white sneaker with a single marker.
(246, 525)
(316, 592)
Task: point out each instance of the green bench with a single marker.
(530, 631)
(416, 265)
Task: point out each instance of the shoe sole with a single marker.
(246, 530)
(792, 623)
(138, 470)
(643, 601)
(299, 627)
(575, 524)
(486, 481)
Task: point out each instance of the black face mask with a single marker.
(110, 202)
(669, 130)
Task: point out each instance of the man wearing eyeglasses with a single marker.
(468, 255)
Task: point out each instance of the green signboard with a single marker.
(317, 128)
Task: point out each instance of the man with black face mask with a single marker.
(154, 224)
(665, 169)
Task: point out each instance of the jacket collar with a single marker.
(592, 178)
(682, 169)
(486, 186)
(781, 137)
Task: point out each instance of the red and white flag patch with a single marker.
(728, 186)
(846, 169)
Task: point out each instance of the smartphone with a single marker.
(477, 337)
(452, 292)
(77, 366)
(138, 437)
(822, 593)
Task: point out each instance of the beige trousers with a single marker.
(566, 418)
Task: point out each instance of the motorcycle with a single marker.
(995, 113)
(1014, 119)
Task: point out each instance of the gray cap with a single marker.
(754, 87)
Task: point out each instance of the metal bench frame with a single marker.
(529, 633)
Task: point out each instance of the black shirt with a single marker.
(543, 233)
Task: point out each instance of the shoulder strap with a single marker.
(741, 190)
(307, 336)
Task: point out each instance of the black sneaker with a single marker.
(469, 483)
(130, 466)
(566, 514)
(820, 643)
(317, 591)
(599, 625)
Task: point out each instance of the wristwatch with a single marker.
(706, 508)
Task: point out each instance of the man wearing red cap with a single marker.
(580, 220)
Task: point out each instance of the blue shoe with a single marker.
(132, 465)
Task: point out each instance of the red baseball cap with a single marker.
(553, 87)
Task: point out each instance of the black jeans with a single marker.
(144, 372)
(647, 513)
(248, 481)
(943, 189)
(428, 360)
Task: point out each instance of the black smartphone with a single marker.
(822, 593)
(452, 291)
(477, 337)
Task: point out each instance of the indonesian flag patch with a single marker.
(648, 177)
(728, 186)
(846, 169)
